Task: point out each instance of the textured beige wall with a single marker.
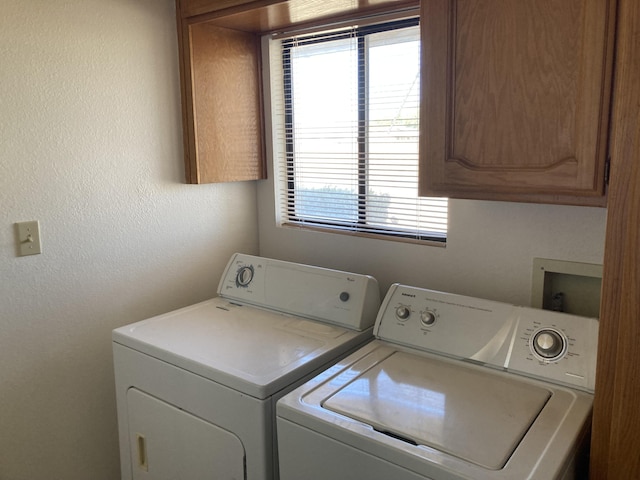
(91, 146)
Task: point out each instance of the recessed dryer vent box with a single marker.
(570, 287)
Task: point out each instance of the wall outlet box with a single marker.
(570, 287)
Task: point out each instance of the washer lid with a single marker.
(252, 350)
(474, 415)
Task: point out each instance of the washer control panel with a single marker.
(540, 343)
(443, 323)
(342, 298)
(556, 346)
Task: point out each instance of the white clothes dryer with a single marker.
(453, 387)
(196, 388)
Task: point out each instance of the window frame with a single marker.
(360, 33)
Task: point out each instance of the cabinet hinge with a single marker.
(607, 169)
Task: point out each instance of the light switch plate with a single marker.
(28, 238)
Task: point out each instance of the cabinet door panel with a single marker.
(515, 97)
(222, 113)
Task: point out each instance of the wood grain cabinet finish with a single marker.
(515, 99)
(221, 103)
(615, 441)
(190, 8)
(220, 75)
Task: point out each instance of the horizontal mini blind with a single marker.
(346, 123)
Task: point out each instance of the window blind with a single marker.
(346, 128)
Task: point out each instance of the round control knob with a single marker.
(549, 344)
(244, 276)
(402, 312)
(344, 296)
(427, 318)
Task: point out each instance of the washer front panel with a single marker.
(470, 414)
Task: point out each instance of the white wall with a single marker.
(91, 146)
(489, 252)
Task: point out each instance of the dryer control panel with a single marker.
(347, 299)
(540, 343)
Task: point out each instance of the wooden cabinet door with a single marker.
(515, 99)
(221, 103)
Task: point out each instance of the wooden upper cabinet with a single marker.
(515, 99)
(190, 8)
(221, 103)
(220, 76)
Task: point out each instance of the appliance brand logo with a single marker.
(408, 295)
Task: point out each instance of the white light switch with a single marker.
(29, 238)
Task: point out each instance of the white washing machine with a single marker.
(453, 387)
(196, 388)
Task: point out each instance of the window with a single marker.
(346, 123)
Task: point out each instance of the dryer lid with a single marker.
(469, 413)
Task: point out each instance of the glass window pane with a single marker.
(393, 130)
(325, 114)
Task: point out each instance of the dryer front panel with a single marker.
(168, 443)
